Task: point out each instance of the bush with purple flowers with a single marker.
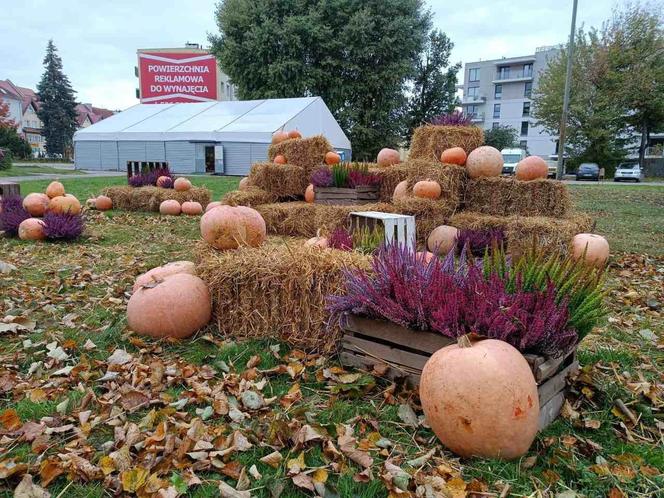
(63, 226)
(150, 178)
(455, 118)
(340, 239)
(12, 214)
(480, 240)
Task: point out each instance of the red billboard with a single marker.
(177, 77)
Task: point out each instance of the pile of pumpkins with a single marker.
(54, 200)
(487, 161)
(171, 207)
(280, 136)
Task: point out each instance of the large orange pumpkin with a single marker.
(31, 229)
(36, 204)
(181, 184)
(170, 207)
(400, 191)
(279, 137)
(294, 134)
(192, 208)
(455, 155)
(175, 306)
(65, 204)
(531, 168)
(332, 158)
(244, 183)
(310, 194)
(55, 189)
(427, 189)
(442, 239)
(161, 272)
(162, 181)
(279, 159)
(212, 205)
(593, 248)
(480, 399)
(484, 161)
(227, 227)
(103, 203)
(388, 157)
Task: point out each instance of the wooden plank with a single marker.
(9, 188)
(394, 355)
(394, 372)
(555, 384)
(550, 367)
(534, 360)
(550, 410)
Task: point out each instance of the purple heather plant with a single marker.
(479, 241)
(63, 226)
(12, 214)
(454, 118)
(150, 178)
(340, 239)
(362, 179)
(322, 177)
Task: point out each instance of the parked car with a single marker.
(628, 172)
(511, 157)
(588, 171)
(552, 167)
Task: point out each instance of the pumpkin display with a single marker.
(55, 189)
(484, 161)
(318, 241)
(531, 168)
(593, 248)
(388, 157)
(454, 155)
(174, 306)
(213, 205)
(332, 158)
(103, 203)
(64, 204)
(480, 398)
(191, 208)
(442, 239)
(164, 181)
(309, 194)
(170, 207)
(161, 272)
(31, 229)
(400, 191)
(36, 204)
(181, 184)
(427, 189)
(294, 134)
(279, 159)
(244, 183)
(279, 137)
(227, 227)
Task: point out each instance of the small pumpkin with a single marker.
(175, 306)
(279, 137)
(31, 229)
(55, 189)
(91, 203)
(480, 399)
(388, 157)
(427, 189)
(279, 159)
(103, 203)
(593, 248)
(400, 191)
(310, 194)
(64, 204)
(182, 184)
(244, 183)
(170, 207)
(294, 134)
(485, 161)
(161, 272)
(318, 242)
(164, 182)
(36, 204)
(442, 239)
(228, 227)
(531, 168)
(192, 208)
(332, 158)
(213, 205)
(454, 155)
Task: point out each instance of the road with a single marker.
(55, 176)
(611, 182)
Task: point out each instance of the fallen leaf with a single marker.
(134, 479)
(28, 489)
(274, 459)
(226, 491)
(407, 415)
(9, 419)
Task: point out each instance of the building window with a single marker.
(496, 111)
(473, 91)
(474, 74)
(526, 109)
(495, 125)
(527, 70)
(524, 128)
(471, 110)
(498, 94)
(523, 144)
(503, 73)
(528, 89)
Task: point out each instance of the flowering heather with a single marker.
(150, 177)
(454, 118)
(340, 239)
(359, 178)
(12, 214)
(322, 177)
(63, 226)
(479, 241)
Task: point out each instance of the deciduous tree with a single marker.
(501, 137)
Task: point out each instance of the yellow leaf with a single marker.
(133, 479)
(320, 476)
(457, 487)
(296, 465)
(106, 464)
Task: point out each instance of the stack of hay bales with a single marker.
(429, 141)
(150, 198)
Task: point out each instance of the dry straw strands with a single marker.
(306, 152)
(284, 181)
(508, 196)
(149, 198)
(276, 291)
(429, 141)
(251, 196)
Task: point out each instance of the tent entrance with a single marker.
(209, 159)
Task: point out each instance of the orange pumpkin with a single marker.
(310, 194)
(161, 272)
(55, 189)
(65, 204)
(455, 155)
(279, 159)
(162, 181)
(175, 306)
(318, 242)
(427, 189)
(294, 134)
(388, 157)
(279, 137)
(192, 208)
(332, 158)
(103, 203)
(592, 248)
(442, 239)
(400, 191)
(170, 207)
(212, 205)
(36, 204)
(531, 168)
(227, 227)
(31, 229)
(181, 184)
(484, 161)
(480, 399)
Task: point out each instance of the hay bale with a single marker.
(452, 178)
(284, 181)
(508, 196)
(121, 196)
(276, 291)
(429, 141)
(305, 152)
(149, 198)
(251, 196)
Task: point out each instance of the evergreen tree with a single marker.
(57, 109)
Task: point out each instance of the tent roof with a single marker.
(237, 121)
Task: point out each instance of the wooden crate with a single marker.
(367, 342)
(346, 196)
(9, 188)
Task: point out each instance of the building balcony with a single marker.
(514, 60)
(477, 117)
(513, 76)
(473, 100)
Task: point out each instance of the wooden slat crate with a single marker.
(346, 196)
(9, 188)
(367, 342)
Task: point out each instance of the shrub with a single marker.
(340, 239)
(63, 226)
(5, 159)
(345, 176)
(479, 241)
(12, 214)
(150, 177)
(454, 118)
(322, 177)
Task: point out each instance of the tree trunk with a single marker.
(643, 145)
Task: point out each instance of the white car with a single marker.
(511, 158)
(628, 172)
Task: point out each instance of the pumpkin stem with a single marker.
(464, 341)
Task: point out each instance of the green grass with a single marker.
(18, 170)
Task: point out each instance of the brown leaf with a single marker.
(226, 491)
(303, 481)
(616, 493)
(254, 361)
(49, 470)
(232, 469)
(347, 445)
(10, 420)
(132, 400)
(274, 459)
(28, 489)
(134, 479)
(292, 396)
(31, 430)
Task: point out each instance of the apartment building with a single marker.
(498, 92)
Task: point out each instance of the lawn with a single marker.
(18, 170)
(56, 368)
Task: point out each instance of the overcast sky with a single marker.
(98, 40)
